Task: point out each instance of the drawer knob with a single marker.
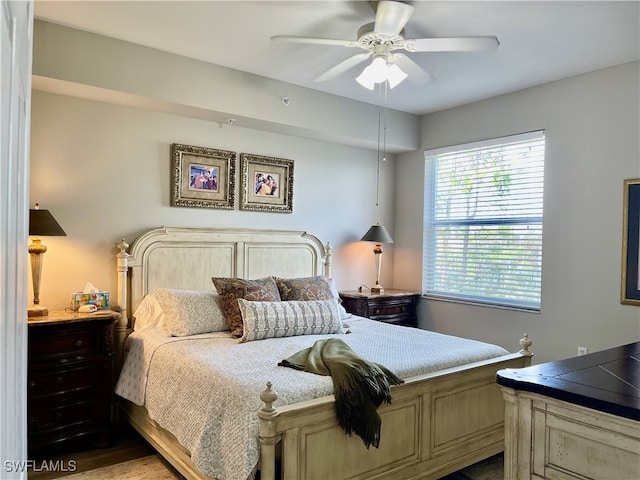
(59, 379)
(32, 383)
(377, 311)
(78, 343)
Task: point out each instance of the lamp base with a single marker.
(377, 288)
(37, 311)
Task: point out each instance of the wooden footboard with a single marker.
(437, 424)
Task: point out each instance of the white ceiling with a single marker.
(539, 41)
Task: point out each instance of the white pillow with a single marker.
(288, 318)
(334, 291)
(149, 314)
(189, 312)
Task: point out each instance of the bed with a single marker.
(438, 421)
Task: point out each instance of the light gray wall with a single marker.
(104, 172)
(592, 144)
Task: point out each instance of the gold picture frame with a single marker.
(202, 177)
(267, 183)
(630, 288)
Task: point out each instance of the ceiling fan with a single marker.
(383, 39)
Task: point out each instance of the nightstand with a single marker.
(392, 306)
(70, 379)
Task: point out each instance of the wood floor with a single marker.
(128, 445)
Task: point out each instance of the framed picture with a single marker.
(630, 294)
(267, 184)
(202, 177)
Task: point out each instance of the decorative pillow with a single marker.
(288, 318)
(311, 288)
(149, 314)
(189, 312)
(307, 288)
(231, 289)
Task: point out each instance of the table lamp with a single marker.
(377, 233)
(41, 223)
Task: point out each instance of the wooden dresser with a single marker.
(393, 306)
(574, 419)
(70, 380)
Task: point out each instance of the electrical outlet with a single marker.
(583, 350)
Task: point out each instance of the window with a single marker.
(483, 222)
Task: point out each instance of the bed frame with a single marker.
(437, 423)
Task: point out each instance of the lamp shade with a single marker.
(42, 223)
(377, 233)
(395, 75)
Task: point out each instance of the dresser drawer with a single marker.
(56, 382)
(47, 418)
(396, 309)
(71, 342)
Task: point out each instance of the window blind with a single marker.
(483, 221)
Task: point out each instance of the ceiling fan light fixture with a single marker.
(364, 80)
(395, 75)
(380, 71)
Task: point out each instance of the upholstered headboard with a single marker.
(187, 258)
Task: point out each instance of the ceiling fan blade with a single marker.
(416, 74)
(391, 17)
(452, 44)
(315, 41)
(343, 66)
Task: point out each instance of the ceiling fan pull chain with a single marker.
(384, 123)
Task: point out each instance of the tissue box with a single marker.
(99, 299)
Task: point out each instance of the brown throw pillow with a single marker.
(231, 289)
(304, 289)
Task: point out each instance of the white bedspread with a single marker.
(205, 388)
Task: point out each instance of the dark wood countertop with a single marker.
(607, 381)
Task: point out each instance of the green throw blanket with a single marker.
(359, 386)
